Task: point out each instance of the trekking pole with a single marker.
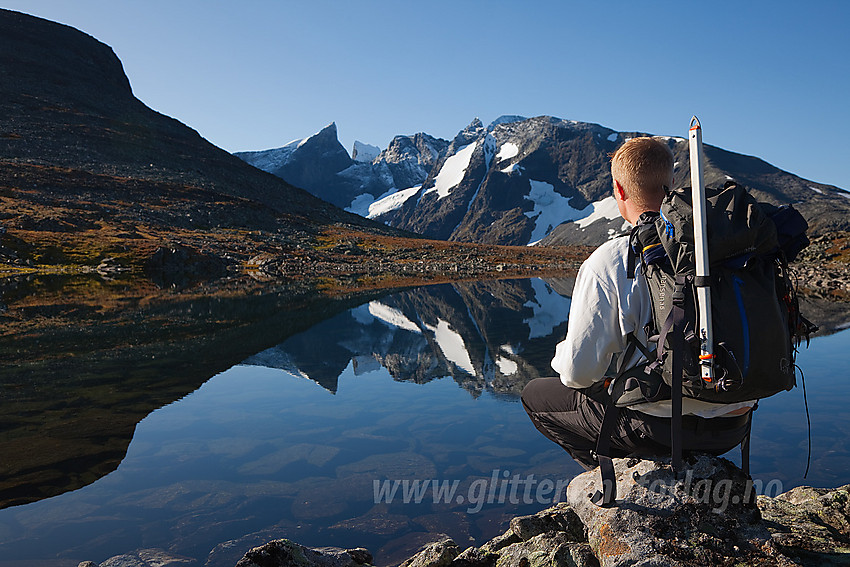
(706, 338)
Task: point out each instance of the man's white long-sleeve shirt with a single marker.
(606, 306)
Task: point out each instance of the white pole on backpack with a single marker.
(706, 338)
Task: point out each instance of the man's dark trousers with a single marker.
(573, 420)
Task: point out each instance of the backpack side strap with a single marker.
(677, 340)
(605, 497)
(608, 494)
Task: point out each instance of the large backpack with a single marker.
(757, 325)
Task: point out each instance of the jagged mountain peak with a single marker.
(547, 179)
(505, 119)
(328, 132)
(469, 134)
(321, 165)
(365, 153)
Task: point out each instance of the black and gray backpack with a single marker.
(756, 320)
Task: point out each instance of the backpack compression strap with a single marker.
(678, 345)
(605, 497)
(674, 328)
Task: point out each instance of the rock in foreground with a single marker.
(708, 516)
(285, 552)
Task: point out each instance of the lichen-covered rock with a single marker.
(149, 558)
(501, 541)
(558, 518)
(707, 517)
(475, 557)
(810, 525)
(437, 554)
(286, 553)
(548, 549)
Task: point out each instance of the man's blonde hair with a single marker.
(644, 167)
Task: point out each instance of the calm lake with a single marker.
(376, 425)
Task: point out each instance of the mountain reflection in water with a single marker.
(493, 336)
(259, 451)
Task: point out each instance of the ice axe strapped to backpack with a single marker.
(742, 348)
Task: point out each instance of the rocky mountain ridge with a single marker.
(321, 164)
(521, 181)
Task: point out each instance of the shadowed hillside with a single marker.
(87, 171)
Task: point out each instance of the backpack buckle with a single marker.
(678, 295)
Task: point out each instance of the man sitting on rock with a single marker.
(607, 305)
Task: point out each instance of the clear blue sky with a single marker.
(769, 78)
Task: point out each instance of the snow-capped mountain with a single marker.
(322, 166)
(512, 182)
(364, 152)
(523, 181)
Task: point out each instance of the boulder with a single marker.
(810, 525)
(437, 554)
(145, 558)
(705, 516)
(286, 553)
(547, 549)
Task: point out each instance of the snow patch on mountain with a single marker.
(452, 172)
(489, 150)
(549, 307)
(507, 151)
(452, 345)
(390, 201)
(606, 209)
(815, 189)
(364, 152)
(613, 137)
(513, 167)
(392, 317)
(274, 159)
(550, 210)
(360, 204)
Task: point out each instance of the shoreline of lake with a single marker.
(681, 522)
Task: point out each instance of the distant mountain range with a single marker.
(321, 164)
(516, 181)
